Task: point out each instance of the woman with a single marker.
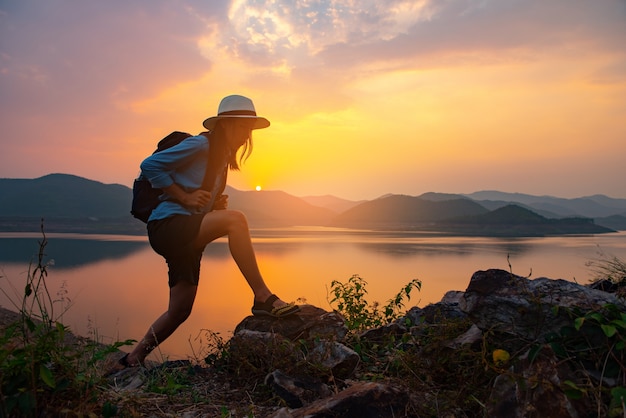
(185, 222)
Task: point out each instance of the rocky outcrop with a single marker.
(541, 313)
(520, 316)
(535, 348)
(532, 309)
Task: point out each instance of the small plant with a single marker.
(41, 368)
(607, 267)
(596, 341)
(169, 381)
(349, 299)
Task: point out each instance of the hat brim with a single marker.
(259, 123)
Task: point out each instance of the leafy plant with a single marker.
(349, 300)
(216, 349)
(40, 366)
(596, 342)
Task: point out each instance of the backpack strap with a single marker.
(216, 174)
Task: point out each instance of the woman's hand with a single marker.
(221, 202)
(197, 199)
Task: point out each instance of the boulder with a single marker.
(296, 392)
(286, 348)
(310, 322)
(499, 310)
(497, 300)
(361, 399)
(339, 359)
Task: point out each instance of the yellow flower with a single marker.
(500, 357)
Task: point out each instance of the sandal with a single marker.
(124, 361)
(267, 308)
(122, 364)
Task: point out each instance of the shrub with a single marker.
(41, 367)
(349, 300)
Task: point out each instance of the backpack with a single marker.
(146, 197)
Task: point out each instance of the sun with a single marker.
(258, 188)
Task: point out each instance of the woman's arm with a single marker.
(195, 200)
(159, 167)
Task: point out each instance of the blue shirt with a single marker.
(183, 164)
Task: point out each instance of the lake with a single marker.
(112, 287)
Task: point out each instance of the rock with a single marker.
(339, 359)
(310, 322)
(383, 333)
(444, 310)
(127, 379)
(453, 297)
(497, 300)
(289, 346)
(497, 310)
(471, 336)
(413, 316)
(531, 389)
(362, 399)
(296, 392)
(258, 353)
(447, 308)
(605, 285)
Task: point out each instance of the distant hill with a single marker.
(617, 222)
(606, 211)
(276, 208)
(70, 203)
(63, 196)
(333, 203)
(591, 206)
(514, 220)
(400, 211)
(459, 216)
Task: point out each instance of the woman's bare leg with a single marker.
(216, 224)
(233, 224)
(182, 296)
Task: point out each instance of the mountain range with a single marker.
(69, 203)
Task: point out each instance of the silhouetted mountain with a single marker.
(448, 214)
(400, 211)
(513, 220)
(617, 222)
(591, 206)
(62, 196)
(438, 197)
(333, 203)
(487, 204)
(508, 215)
(69, 203)
(497, 204)
(276, 208)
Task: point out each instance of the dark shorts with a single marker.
(173, 239)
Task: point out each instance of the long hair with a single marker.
(220, 131)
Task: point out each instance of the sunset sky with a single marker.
(365, 97)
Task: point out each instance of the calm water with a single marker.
(115, 286)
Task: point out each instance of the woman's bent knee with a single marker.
(220, 223)
(238, 219)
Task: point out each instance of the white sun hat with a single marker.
(236, 106)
